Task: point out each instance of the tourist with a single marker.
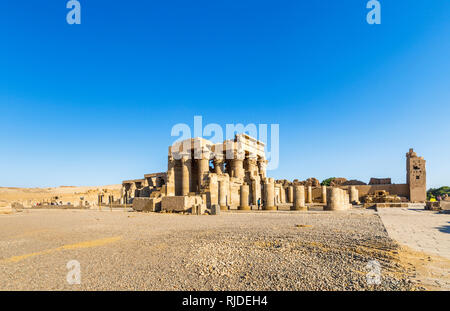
(259, 203)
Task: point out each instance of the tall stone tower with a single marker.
(416, 177)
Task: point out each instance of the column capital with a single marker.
(251, 161)
(219, 158)
(203, 153)
(239, 155)
(184, 157)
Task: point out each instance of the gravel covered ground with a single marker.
(120, 250)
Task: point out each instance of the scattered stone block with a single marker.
(182, 203)
(438, 206)
(147, 204)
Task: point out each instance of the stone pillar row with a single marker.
(334, 198)
(236, 166)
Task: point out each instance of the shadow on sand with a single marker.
(445, 228)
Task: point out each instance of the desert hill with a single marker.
(72, 194)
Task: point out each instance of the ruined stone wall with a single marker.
(180, 203)
(416, 177)
(234, 194)
(317, 194)
(401, 190)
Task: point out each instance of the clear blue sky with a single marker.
(94, 103)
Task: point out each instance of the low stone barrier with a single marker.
(438, 206)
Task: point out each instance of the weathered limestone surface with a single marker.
(290, 194)
(354, 195)
(185, 175)
(282, 194)
(255, 192)
(147, 204)
(223, 195)
(416, 177)
(299, 198)
(309, 197)
(203, 170)
(180, 203)
(218, 164)
(324, 194)
(346, 199)
(237, 167)
(438, 206)
(213, 197)
(337, 199)
(245, 191)
(269, 188)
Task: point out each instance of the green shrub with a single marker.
(327, 181)
(434, 192)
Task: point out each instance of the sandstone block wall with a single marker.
(147, 204)
(180, 203)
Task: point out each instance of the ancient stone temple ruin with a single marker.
(416, 177)
(202, 176)
(231, 175)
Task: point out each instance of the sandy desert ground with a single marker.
(124, 250)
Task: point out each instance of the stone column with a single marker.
(282, 194)
(185, 175)
(336, 199)
(354, 195)
(299, 199)
(262, 167)
(237, 166)
(223, 195)
(269, 188)
(252, 167)
(133, 190)
(346, 199)
(218, 164)
(203, 169)
(245, 191)
(333, 198)
(324, 194)
(256, 191)
(214, 190)
(309, 198)
(290, 194)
